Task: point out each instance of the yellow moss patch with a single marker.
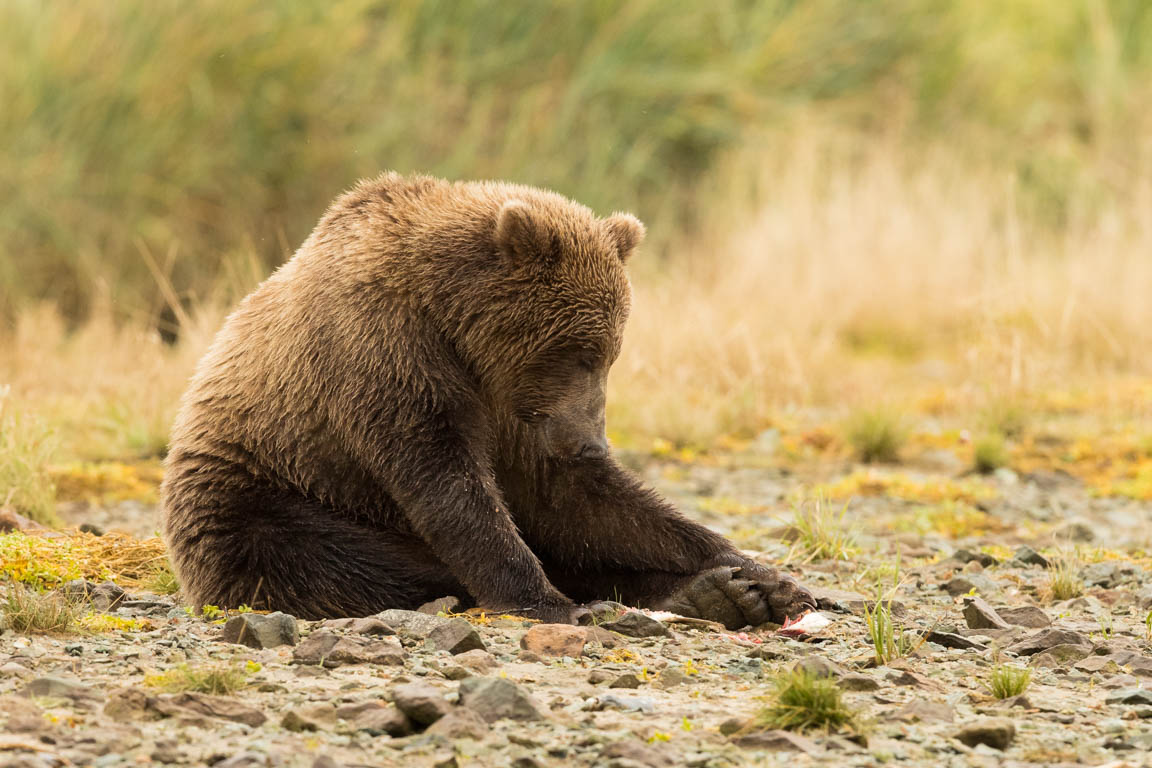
(48, 559)
(899, 486)
(954, 520)
(1110, 465)
(104, 622)
(107, 481)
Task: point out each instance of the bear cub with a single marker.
(413, 406)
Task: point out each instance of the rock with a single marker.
(1075, 530)
(597, 676)
(627, 680)
(331, 650)
(606, 610)
(476, 661)
(632, 753)
(1049, 638)
(602, 637)
(21, 715)
(1131, 697)
(843, 601)
(555, 640)
(445, 605)
(818, 666)
(976, 583)
(126, 704)
(460, 724)
(1113, 662)
(59, 688)
(636, 624)
(925, 711)
(104, 597)
(455, 636)
(376, 718)
(245, 760)
(953, 640)
(671, 677)
(622, 703)
(495, 698)
(901, 676)
(1025, 555)
(858, 682)
(213, 706)
(1104, 574)
(363, 626)
(259, 631)
(979, 615)
(968, 556)
(994, 732)
(777, 741)
(411, 623)
(313, 717)
(422, 703)
(1028, 616)
(1060, 655)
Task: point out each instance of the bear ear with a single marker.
(626, 232)
(518, 233)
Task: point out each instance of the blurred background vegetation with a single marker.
(207, 135)
(942, 202)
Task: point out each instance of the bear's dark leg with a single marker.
(240, 544)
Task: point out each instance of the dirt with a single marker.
(329, 696)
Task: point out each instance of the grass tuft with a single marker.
(822, 531)
(1006, 681)
(32, 612)
(990, 453)
(25, 484)
(216, 679)
(888, 639)
(803, 702)
(1064, 581)
(876, 435)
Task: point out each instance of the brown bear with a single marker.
(413, 407)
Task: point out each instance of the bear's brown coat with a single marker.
(412, 406)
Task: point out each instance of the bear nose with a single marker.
(594, 449)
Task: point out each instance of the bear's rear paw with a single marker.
(786, 597)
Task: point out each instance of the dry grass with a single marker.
(31, 611)
(990, 453)
(1064, 580)
(1005, 681)
(822, 532)
(803, 702)
(46, 559)
(880, 277)
(217, 678)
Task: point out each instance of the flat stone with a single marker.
(636, 624)
(995, 732)
(953, 640)
(476, 661)
(460, 723)
(978, 614)
(671, 677)
(968, 583)
(213, 706)
(627, 680)
(261, 631)
(310, 717)
(602, 637)
(1075, 530)
(455, 636)
(819, 667)
(21, 715)
(59, 688)
(376, 718)
(777, 741)
(421, 702)
(446, 605)
(632, 753)
(367, 625)
(969, 556)
(1048, 638)
(1029, 616)
(924, 711)
(1117, 662)
(1061, 655)
(412, 623)
(496, 698)
(844, 601)
(331, 650)
(1028, 556)
(104, 597)
(856, 681)
(125, 704)
(1131, 697)
(555, 640)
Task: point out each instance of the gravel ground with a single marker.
(417, 689)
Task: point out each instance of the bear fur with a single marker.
(413, 406)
